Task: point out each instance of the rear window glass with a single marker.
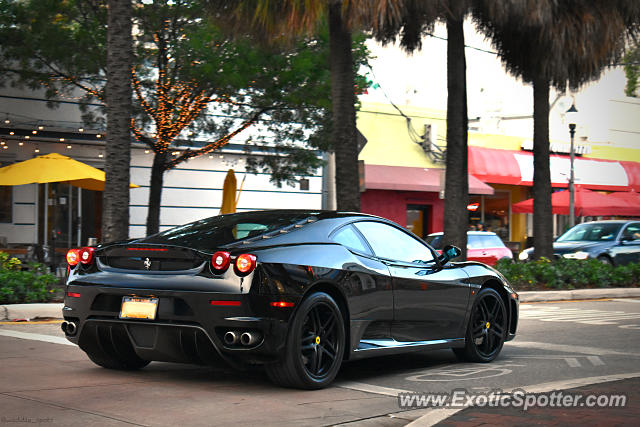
(210, 233)
(474, 241)
(477, 241)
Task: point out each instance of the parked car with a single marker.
(295, 291)
(612, 242)
(483, 246)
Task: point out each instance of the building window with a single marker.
(6, 203)
(304, 184)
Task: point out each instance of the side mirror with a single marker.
(449, 252)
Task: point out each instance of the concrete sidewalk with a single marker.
(11, 312)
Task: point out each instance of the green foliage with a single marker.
(21, 286)
(568, 274)
(632, 70)
(180, 58)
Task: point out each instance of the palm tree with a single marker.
(409, 21)
(554, 43)
(115, 216)
(281, 21)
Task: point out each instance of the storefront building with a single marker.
(404, 172)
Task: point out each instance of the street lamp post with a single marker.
(571, 115)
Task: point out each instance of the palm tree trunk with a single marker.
(456, 219)
(115, 215)
(344, 113)
(155, 192)
(542, 213)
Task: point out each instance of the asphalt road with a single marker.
(559, 346)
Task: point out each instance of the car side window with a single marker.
(632, 232)
(350, 238)
(391, 243)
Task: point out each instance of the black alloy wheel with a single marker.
(315, 345)
(487, 328)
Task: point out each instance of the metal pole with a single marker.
(79, 227)
(572, 191)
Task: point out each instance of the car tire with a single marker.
(315, 345)
(605, 260)
(487, 328)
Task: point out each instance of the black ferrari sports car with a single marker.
(295, 291)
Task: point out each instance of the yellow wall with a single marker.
(388, 139)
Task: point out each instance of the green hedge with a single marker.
(20, 283)
(568, 274)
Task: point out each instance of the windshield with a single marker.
(480, 241)
(210, 233)
(435, 241)
(591, 233)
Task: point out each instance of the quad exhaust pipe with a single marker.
(231, 338)
(247, 339)
(69, 328)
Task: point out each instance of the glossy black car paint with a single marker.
(623, 248)
(388, 306)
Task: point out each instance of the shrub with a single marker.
(568, 274)
(19, 284)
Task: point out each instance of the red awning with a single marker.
(380, 177)
(586, 202)
(516, 167)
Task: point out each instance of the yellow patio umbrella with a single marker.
(54, 167)
(229, 193)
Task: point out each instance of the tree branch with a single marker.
(189, 154)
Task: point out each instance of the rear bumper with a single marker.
(187, 328)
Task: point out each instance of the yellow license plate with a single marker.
(139, 308)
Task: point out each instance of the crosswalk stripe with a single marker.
(587, 317)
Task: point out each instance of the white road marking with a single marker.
(464, 373)
(438, 415)
(595, 360)
(577, 315)
(626, 300)
(369, 388)
(629, 326)
(572, 361)
(568, 348)
(35, 337)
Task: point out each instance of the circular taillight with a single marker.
(73, 257)
(86, 255)
(220, 261)
(245, 264)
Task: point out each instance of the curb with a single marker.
(578, 294)
(12, 312)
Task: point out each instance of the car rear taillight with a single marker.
(86, 255)
(245, 264)
(73, 257)
(281, 304)
(220, 261)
